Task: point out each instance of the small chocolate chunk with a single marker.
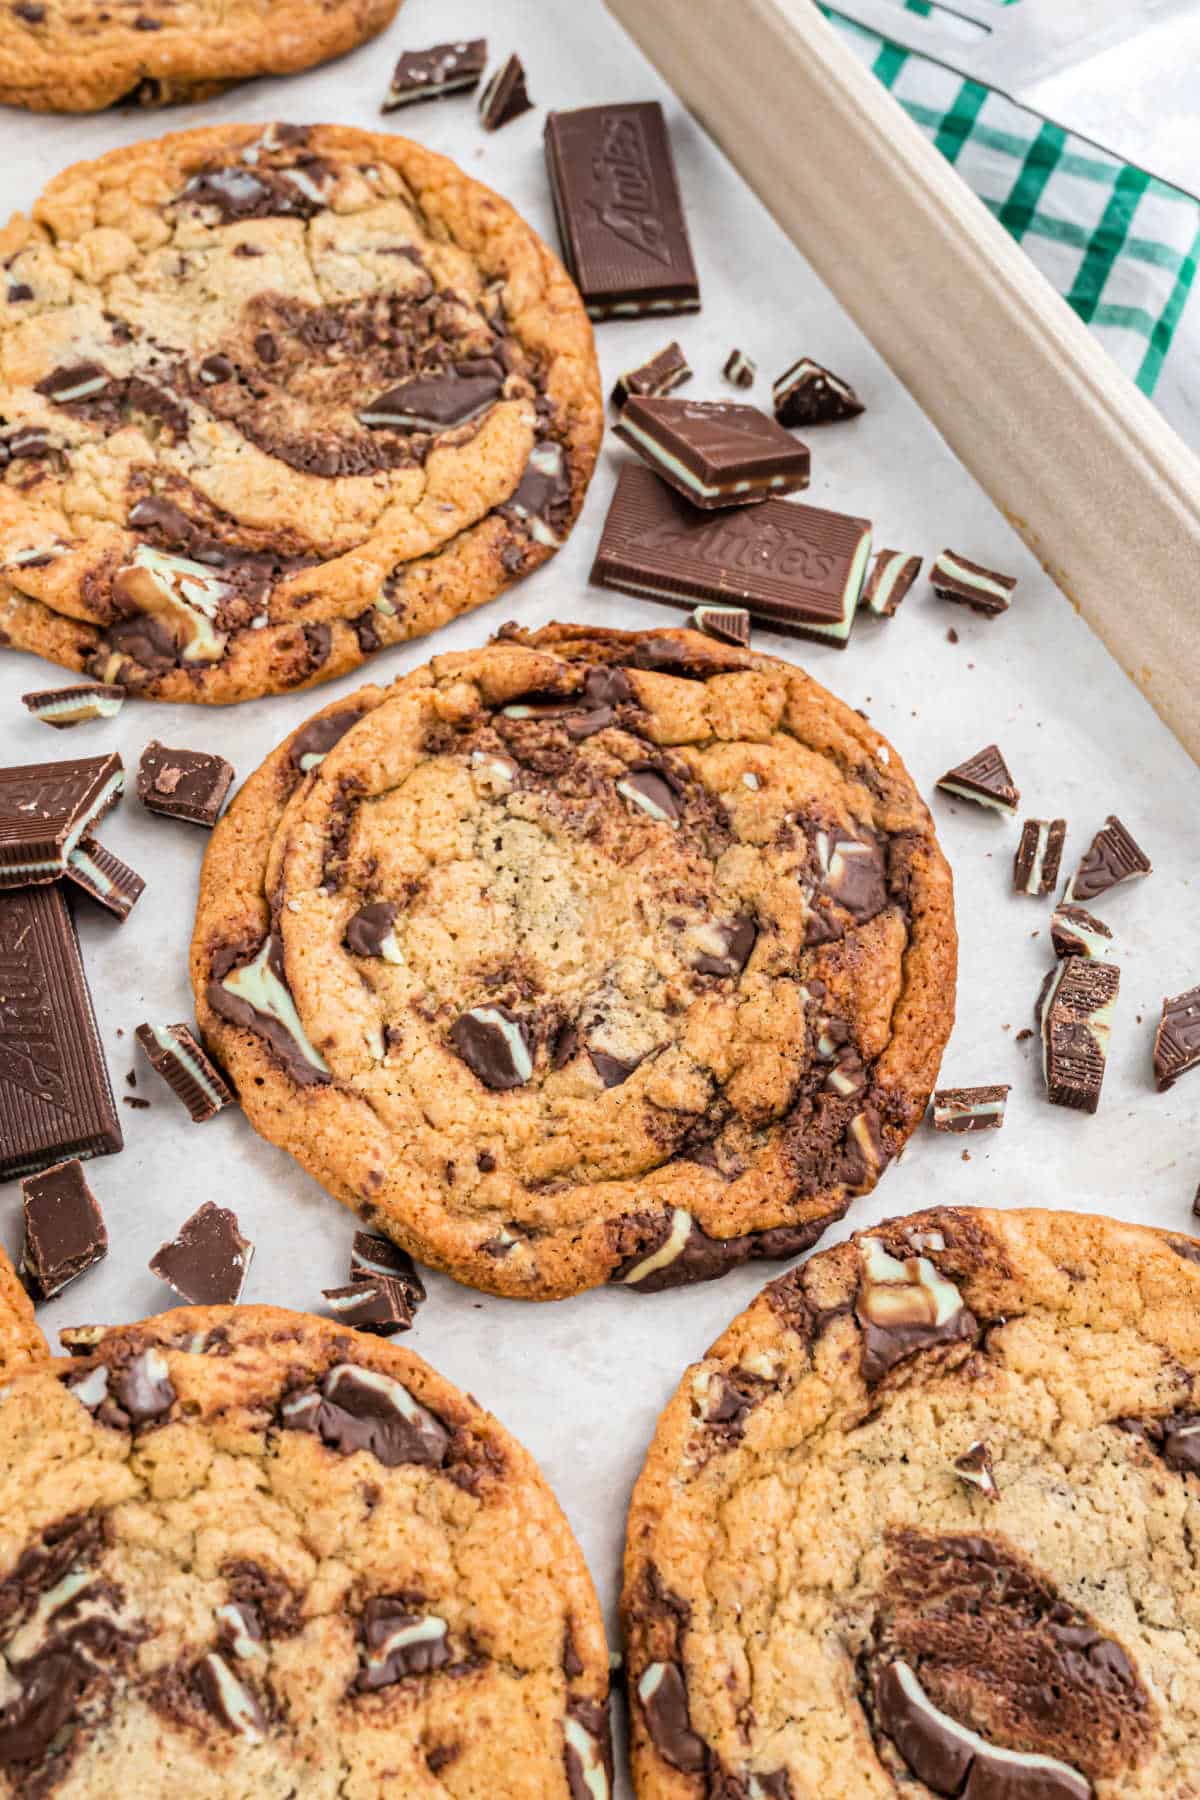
(1038, 856)
(212, 372)
(1075, 1011)
(662, 1695)
(798, 569)
(255, 995)
(620, 216)
(400, 1642)
(714, 452)
(144, 1388)
(985, 779)
(434, 73)
(725, 624)
(892, 575)
(45, 808)
(543, 492)
(1076, 932)
(983, 590)
(371, 1305)
(903, 1307)
(655, 377)
(1111, 857)
(192, 1077)
(807, 394)
(587, 1748)
(495, 1045)
(183, 784)
(974, 1466)
(433, 403)
(312, 744)
(78, 381)
(116, 886)
(65, 706)
(651, 793)
(378, 1259)
(613, 1070)
(969, 1109)
(229, 1699)
(359, 1409)
(208, 1262)
(739, 369)
(1177, 1040)
(64, 1229)
(370, 932)
(725, 949)
(505, 97)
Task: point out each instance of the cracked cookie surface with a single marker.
(922, 1522)
(587, 956)
(246, 1552)
(273, 399)
(64, 56)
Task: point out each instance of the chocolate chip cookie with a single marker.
(920, 1523)
(63, 56)
(245, 1551)
(21, 1341)
(275, 399)
(588, 956)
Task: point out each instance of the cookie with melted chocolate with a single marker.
(246, 1548)
(588, 956)
(912, 1525)
(321, 393)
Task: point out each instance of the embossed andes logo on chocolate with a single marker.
(742, 542)
(30, 1057)
(624, 197)
(904, 1307)
(360, 1409)
(400, 1642)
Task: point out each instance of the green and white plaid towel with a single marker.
(1120, 246)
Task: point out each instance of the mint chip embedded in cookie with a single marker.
(495, 1045)
(360, 1409)
(400, 1642)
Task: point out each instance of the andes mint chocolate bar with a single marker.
(378, 1259)
(983, 778)
(208, 1262)
(892, 575)
(1038, 856)
(1177, 1040)
(1075, 1010)
(505, 97)
(1076, 932)
(1110, 858)
(739, 369)
(620, 216)
(796, 568)
(105, 877)
(372, 1304)
(669, 369)
(807, 394)
(726, 624)
(954, 577)
(64, 1229)
(431, 74)
(969, 1109)
(715, 452)
(55, 1098)
(46, 808)
(173, 1052)
(183, 784)
(64, 706)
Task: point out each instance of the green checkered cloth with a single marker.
(1120, 246)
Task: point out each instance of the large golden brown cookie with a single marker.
(587, 956)
(273, 399)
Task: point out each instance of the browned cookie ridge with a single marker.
(917, 1524)
(274, 399)
(587, 956)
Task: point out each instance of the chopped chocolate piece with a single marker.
(207, 1264)
(505, 97)
(255, 995)
(620, 216)
(63, 706)
(739, 370)
(495, 1046)
(434, 402)
(613, 1070)
(370, 933)
(313, 743)
(669, 369)
(377, 1258)
(724, 949)
(431, 74)
(144, 1387)
(714, 452)
(983, 590)
(174, 1053)
(374, 1305)
(1177, 1040)
(229, 1699)
(985, 779)
(892, 575)
(183, 784)
(727, 624)
(969, 1109)
(646, 789)
(64, 1229)
(796, 568)
(1110, 858)
(105, 877)
(1075, 1011)
(662, 1694)
(45, 808)
(903, 1307)
(975, 1466)
(55, 1097)
(807, 394)
(400, 1642)
(1075, 932)
(1038, 856)
(360, 1409)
